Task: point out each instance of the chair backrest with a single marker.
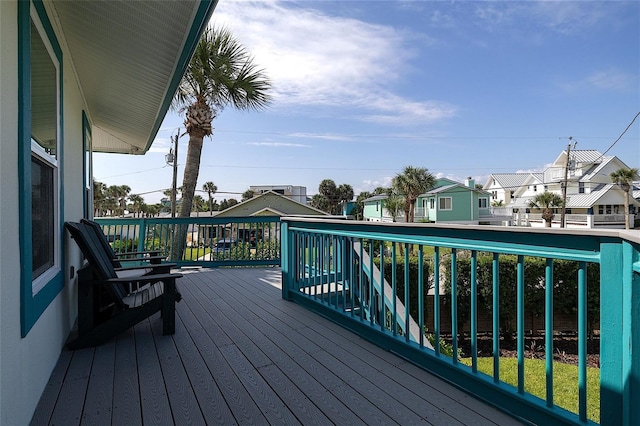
(98, 259)
(101, 238)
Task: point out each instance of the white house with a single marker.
(592, 200)
(505, 187)
(296, 193)
(75, 77)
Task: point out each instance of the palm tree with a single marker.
(547, 201)
(624, 179)
(198, 203)
(211, 189)
(221, 72)
(412, 182)
(393, 204)
(99, 197)
(137, 202)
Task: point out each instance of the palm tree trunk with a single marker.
(191, 170)
(627, 224)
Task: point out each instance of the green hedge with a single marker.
(565, 288)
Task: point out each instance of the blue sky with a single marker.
(362, 89)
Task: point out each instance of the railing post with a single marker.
(142, 235)
(286, 259)
(612, 301)
(631, 332)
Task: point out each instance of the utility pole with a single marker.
(564, 185)
(172, 159)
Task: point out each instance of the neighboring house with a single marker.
(505, 187)
(592, 200)
(448, 201)
(296, 193)
(268, 203)
(374, 210)
(453, 202)
(76, 77)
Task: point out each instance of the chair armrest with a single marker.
(143, 279)
(153, 253)
(150, 266)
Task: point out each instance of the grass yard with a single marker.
(193, 253)
(565, 381)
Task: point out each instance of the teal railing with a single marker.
(208, 241)
(420, 291)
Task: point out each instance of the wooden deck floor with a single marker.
(242, 355)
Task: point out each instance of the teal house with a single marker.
(453, 202)
(374, 210)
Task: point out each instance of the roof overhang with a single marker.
(129, 57)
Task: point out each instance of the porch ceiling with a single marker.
(129, 57)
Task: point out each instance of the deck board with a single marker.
(243, 355)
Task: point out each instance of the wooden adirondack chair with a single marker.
(151, 256)
(106, 306)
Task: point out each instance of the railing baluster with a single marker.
(394, 290)
(582, 341)
(495, 266)
(454, 304)
(548, 330)
(436, 297)
(520, 322)
(372, 312)
(361, 279)
(407, 312)
(381, 309)
(421, 293)
(474, 313)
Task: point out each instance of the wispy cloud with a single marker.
(320, 136)
(279, 144)
(323, 61)
(604, 80)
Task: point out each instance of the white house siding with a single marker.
(26, 363)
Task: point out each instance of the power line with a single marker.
(622, 134)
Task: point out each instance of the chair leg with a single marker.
(169, 308)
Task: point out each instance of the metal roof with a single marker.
(585, 155)
(375, 198)
(129, 57)
(514, 180)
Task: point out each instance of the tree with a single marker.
(199, 204)
(221, 72)
(624, 179)
(393, 204)
(330, 196)
(99, 197)
(547, 201)
(211, 189)
(412, 182)
(137, 202)
(247, 195)
(497, 203)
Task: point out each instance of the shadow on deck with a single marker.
(243, 355)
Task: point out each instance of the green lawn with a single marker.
(565, 381)
(192, 253)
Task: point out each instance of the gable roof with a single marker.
(129, 57)
(273, 201)
(455, 185)
(512, 180)
(375, 198)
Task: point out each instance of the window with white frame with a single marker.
(445, 203)
(483, 202)
(432, 203)
(45, 173)
(39, 162)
